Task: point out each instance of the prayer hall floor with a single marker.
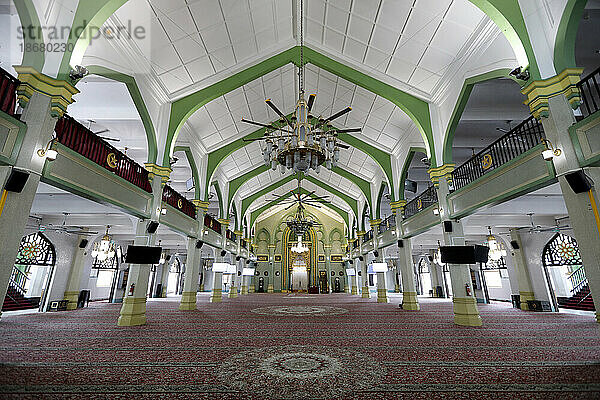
(278, 346)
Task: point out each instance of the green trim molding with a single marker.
(409, 157)
(12, 144)
(138, 101)
(193, 167)
(29, 18)
(566, 35)
(586, 140)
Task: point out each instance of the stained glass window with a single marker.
(36, 249)
(561, 250)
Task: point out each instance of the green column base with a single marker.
(382, 296)
(598, 317)
(465, 311)
(354, 290)
(410, 301)
(188, 301)
(216, 296)
(251, 289)
(244, 290)
(396, 289)
(133, 312)
(270, 289)
(72, 297)
(365, 293)
(202, 287)
(524, 296)
(233, 292)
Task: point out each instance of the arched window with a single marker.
(561, 250)
(36, 249)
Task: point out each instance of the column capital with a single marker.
(201, 205)
(375, 222)
(32, 81)
(360, 233)
(398, 205)
(538, 92)
(443, 171)
(224, 222)
(238, 233)
(158, 170)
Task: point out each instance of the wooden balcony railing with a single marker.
(421, 202)
(230, 235)
(212, 223)
(8, 92)
(77, 137)
(176, 200)
(589, 89)
(523, 137)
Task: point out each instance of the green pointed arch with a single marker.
(138, 101)
(28, 17)
(507, 15)
(192, 163)
(566, 36)
(409, 157)
(220, 198)
(378, 201)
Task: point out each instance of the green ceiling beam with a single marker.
(220, 198)
(31, 40)
(89, 17)
(409, 157)
(258, 212)
(460, 105)
(138, 101)
(378, 201)
(363, 185)
(507, 15)
(192, 163)
(347, 199)
(247, 202)
(183, 108)
(415, 108)
(566, 36)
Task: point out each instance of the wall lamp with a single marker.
(47, 152)
(550, 151)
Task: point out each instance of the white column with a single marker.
(192, 271)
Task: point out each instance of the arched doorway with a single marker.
(293, 260)
(32, 273)
(565, 274)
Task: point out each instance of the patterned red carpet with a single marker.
(299, 347)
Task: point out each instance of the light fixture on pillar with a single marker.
(104, 249)
(299, 247)
(550, 151)
(47, 152)
(497, 250)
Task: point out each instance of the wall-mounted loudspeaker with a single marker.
(361, 258)
(579, 181)
(375, 253)
(410, 186)
(223, 252)
(515, 245)
(152, 226)
(199, 244)
(238, 258)
(448, 226)
(430, 258)
(400, 243)
(16, 181)
(351, 262)
(83, 243)
(247, 262)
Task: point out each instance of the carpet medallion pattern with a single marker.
(300, 372)
(336, 346)
(300, 311)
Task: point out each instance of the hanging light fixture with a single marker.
(299, 247)
(104, 249)
(302, 142)
(497, 250)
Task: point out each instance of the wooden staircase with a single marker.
(581, 300)
(15, 296)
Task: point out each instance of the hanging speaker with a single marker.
(247, 262)
(430, 258)
(199, 244)
(515, 245)
(16, 181)
(400, 243)
(168, 257)
(448, 226)
(152, 227)
(83, 243)
(579, 181)
(223, 252)
(351, 262)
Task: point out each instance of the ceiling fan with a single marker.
(533, 228)
(302, 199)
(302, 141)
(70, 229)
(91, 121)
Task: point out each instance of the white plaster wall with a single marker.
(534, 243)
(65, 245)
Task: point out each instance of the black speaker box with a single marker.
(448, 226)
(464, 254)
(16, 181)
(351, 262)
(199, 244)
(400, 243)
(515, 245)
(410, 186)
(579, 181)
(375, 253)
(152, 226)
(238, 258)
(361, 258)
(247, 262)
(430, 258)
(83, 243)
(223, 252)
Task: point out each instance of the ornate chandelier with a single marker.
(497, 250)
(300, 223)
(299, 247)
(302, 142)
(104, 249)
